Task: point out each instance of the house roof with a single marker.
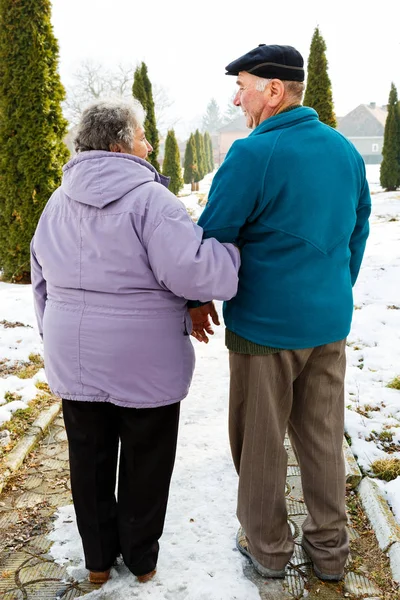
(366, 120)
(238, 124)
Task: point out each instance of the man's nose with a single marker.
(149, 147)
(236, 100)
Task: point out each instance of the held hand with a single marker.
(201, 319)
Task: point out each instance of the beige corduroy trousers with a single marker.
(301, 391)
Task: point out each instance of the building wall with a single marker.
(370, 148)
(226, 139)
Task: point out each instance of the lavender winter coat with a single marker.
(114, 259)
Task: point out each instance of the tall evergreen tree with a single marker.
(32, 127)
(201, 156)
(206, 152)
(172, 163)
(190, 163)
(142, 91)
(212, 120)
(390, 167)
(318, 93)
(150, 125)
(138, 90)
(209, 152)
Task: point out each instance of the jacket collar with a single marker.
(83, 156)
(286, 119)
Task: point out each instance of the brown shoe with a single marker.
(146, 577)
(99, 577)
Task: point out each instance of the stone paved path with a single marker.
(27, 571)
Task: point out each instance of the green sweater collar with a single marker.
(286, 118)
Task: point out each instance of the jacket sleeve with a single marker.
(39, 288)
(188, 266)
(234, 195)
(360, 234)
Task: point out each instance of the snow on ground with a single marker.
(373, 409)
(16, 344)
(191, 199)
(198, 559)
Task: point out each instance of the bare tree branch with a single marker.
(92, 81)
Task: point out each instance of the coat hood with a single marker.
(97, 177)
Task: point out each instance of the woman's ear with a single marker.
(115, 148)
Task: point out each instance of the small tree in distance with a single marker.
(172, 163)
(390, 167)
(190, 163)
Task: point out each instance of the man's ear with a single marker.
(277, 91)
(116, 148)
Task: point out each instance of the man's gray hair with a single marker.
(294, 89)
(110, 121)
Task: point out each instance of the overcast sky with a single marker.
(186, 45)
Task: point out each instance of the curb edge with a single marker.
(16, 457)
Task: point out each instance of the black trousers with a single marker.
(132, 525)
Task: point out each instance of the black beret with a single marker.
(280, 62)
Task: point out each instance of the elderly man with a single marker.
(294, 197)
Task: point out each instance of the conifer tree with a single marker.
(201, 157)
(190, 163)
(206, 153)
(390, 167)
(318, 93)
(32, 127)
(142, 91)
(172, 163)
(209, 152)
(138, 90)
(212, 120)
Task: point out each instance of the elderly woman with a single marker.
(114, 259)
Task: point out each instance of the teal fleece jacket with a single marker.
(294, 197)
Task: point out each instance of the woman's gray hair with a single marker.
(106, 122)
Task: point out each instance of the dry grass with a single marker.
(29, 369)
(386, 468)
(394, 384)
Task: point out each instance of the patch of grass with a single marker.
(12, 324)
(22, 419)
(386, 468)
(41, 385)
(36, 359)
(384, 440)
(29, 369)
(394, 384)
(11, 396)
(370, 408)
